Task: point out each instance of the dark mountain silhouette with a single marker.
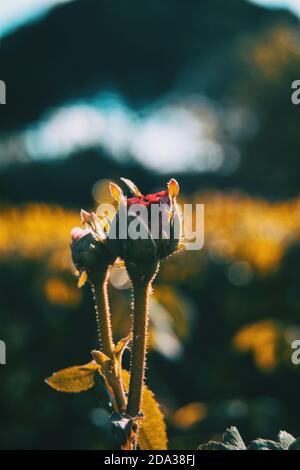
(142, 49)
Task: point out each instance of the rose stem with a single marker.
(100, 293)
(141, 293)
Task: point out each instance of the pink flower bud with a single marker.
(89, 251)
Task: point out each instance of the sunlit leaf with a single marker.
(100, 357)
(74, 379)
(285, 439)
(152, 435)
(122, 345)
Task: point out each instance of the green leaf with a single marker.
(233, 437)
(74, 379)
(231, 441)
(264, 444)
(152, 434)
(214, 445)
(285, 439)
(295, 445)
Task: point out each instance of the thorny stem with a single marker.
(100, 292)
(141, 294)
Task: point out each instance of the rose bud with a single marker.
(147, 228)
(88, 247)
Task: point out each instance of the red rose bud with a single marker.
(88, 247)
(146, 228)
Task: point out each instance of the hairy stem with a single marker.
(100, 293)
(141, 293)
(114, 378)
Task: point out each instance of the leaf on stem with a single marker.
(74, 379)
(121, 346)
(152, 434)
